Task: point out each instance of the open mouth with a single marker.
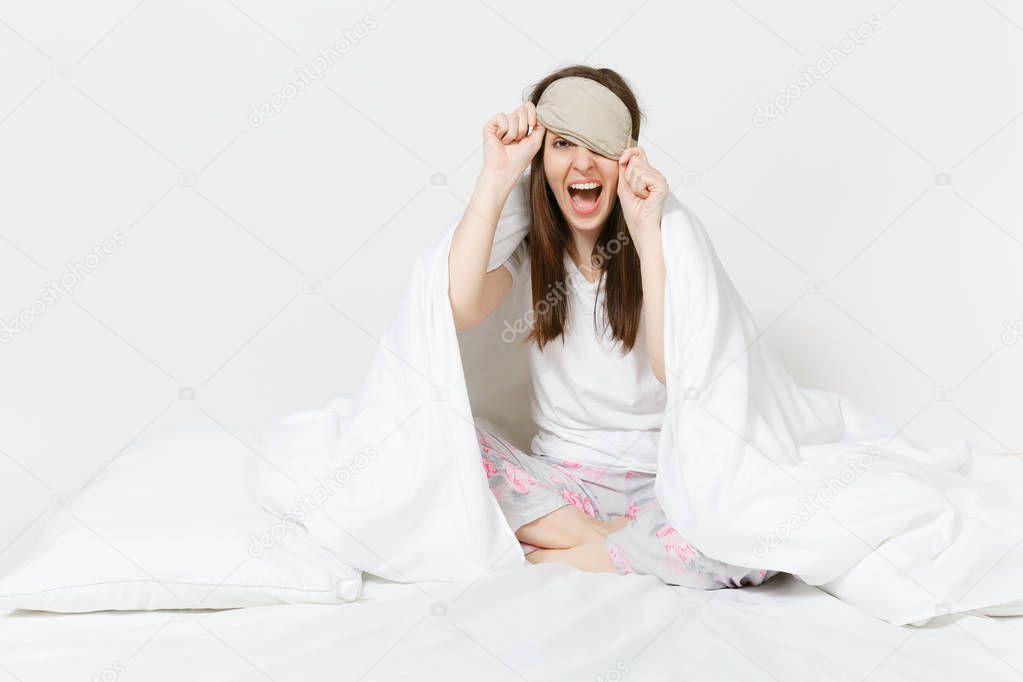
(585, 196)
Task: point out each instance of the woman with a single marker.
(585, 496)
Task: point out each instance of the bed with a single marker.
(148, 514)
(543, 622)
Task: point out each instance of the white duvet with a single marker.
(752, 469)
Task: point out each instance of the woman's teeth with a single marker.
(584, 196)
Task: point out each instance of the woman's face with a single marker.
(566, 165)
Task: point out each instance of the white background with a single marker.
(135, 117)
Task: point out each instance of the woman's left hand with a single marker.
(642, 190)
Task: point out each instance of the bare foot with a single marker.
(589, 556)
(567, 527)
(605, 528)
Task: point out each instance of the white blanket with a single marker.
(546, 623)
(752, 469)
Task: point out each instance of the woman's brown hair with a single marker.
(550, 236)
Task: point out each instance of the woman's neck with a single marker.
(582, 252)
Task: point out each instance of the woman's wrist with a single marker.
(489, 197)
(648, 241)
(495, 183)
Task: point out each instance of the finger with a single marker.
(642, 185)
(626, 184)
(639, 156)
(513, 129)
(626, 156)
(640, 168)
(523, 122)
(630, 178)
(531, 114)
(624, 175)
(623, 181)
(637, 189)
(498, 125)
(637, 166)
(637, 186)
(514, 125)
(635, 169)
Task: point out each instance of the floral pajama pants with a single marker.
(530, 486)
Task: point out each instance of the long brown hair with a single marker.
(550, 236)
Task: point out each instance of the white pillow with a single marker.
(173, 523)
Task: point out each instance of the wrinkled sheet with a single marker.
(753, 469)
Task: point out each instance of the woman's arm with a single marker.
(642, 191)
(651, 259)
(508, 147)
(474, 292)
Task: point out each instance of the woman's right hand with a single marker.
(508, 146)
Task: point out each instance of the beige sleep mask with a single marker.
(585, 112)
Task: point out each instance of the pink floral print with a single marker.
(678, 550)
(527, 487)
(491, 469)
(568, 474)
(580, 473)
(518, 479)
(491, 444)
(619, 560)
(486, 444)
(581, 501)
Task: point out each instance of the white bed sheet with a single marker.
(548, 622)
